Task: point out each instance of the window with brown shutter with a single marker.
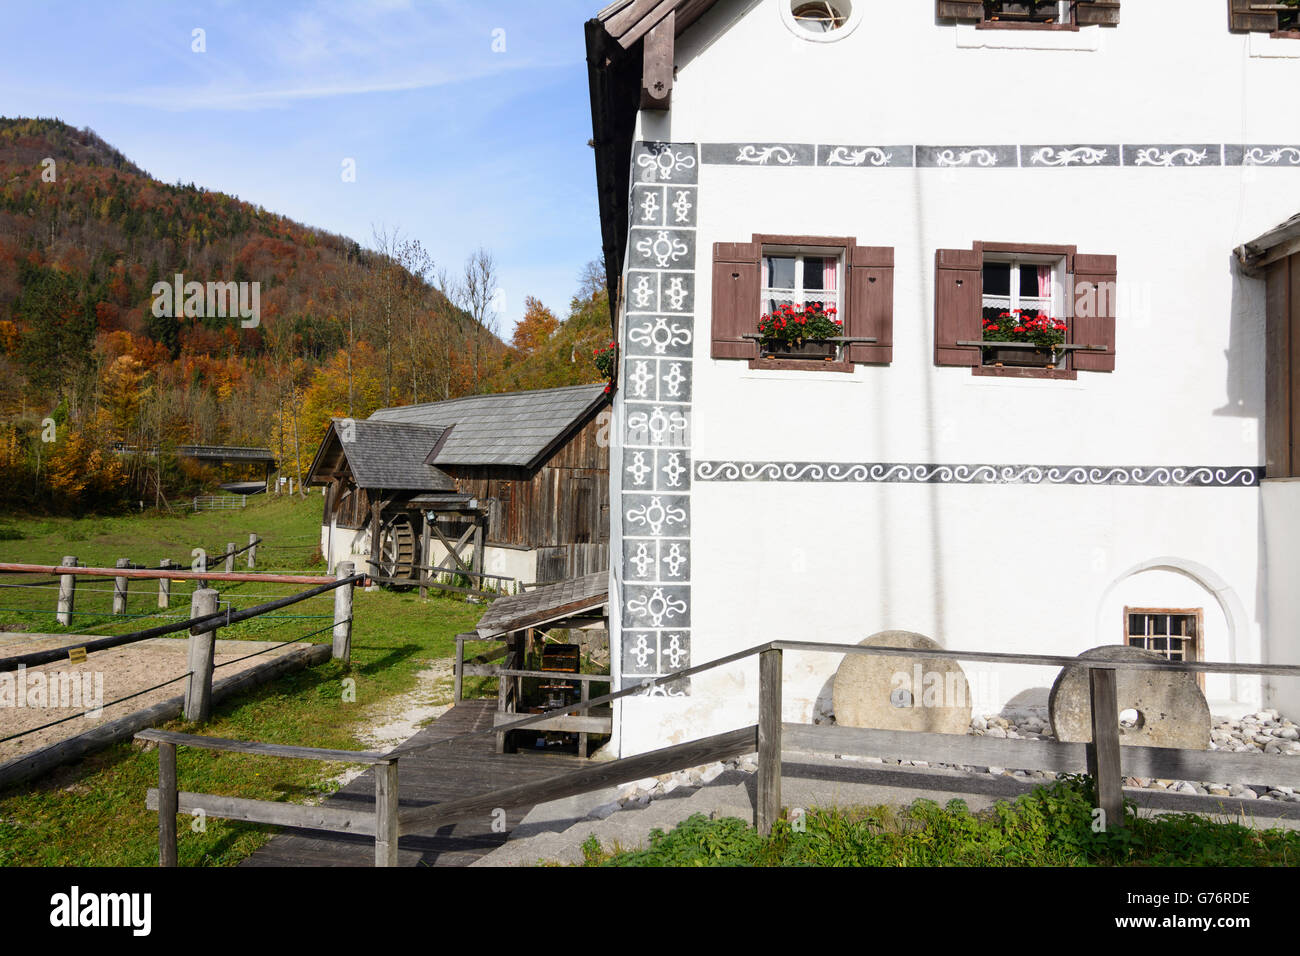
(1256, 16)
(735, 299)
(1024, 310)
(1032, 14)
(846, 283)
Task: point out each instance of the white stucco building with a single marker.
(922, 166)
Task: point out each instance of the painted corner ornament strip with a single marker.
(654, 482)
(1170, 476)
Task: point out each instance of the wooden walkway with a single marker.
(445, 773)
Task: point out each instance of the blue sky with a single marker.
(455, 144)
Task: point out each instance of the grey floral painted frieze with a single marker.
(1262, 155)
(1201, 155)
(1040, 156)
(1076, 155)
(665, 163)
(1180, 476)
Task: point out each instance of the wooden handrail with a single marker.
(1103, 757)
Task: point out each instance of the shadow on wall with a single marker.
(1245, 384)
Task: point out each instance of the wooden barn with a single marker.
(512, 485)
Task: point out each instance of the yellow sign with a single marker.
(77, 655)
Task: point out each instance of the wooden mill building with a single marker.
(513, 484)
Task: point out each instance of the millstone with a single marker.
(898, 692)
(1171, 709)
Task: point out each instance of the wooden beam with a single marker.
(767, 808)
(266, 750)
(1103, 751)
(270, 812)
(657, 65)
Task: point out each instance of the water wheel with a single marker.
(397, 549)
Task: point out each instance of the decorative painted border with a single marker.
(656, 394)
(998, 156)
(1173, 476)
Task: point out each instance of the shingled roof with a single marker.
(388, 455)
(509, 429)
(1279, 242)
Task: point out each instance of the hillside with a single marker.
(340, 329)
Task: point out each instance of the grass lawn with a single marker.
(92, 814)
(1052, 826)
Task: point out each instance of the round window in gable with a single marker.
(821, 20)
(821, 16)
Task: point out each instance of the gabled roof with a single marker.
(1278, 243)
(507, 429)
(387, 455)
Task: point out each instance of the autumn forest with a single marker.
(97, 391)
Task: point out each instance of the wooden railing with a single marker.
(1102, 757)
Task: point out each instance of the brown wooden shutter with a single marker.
(960, 10)
(957, 305)
(1094, 295)
(870, 303)
(1103, 12)
(1242, 19)
(736, 306)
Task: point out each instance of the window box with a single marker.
(772, 274)
(1009, 355)
(814, 350)
(1280, 18)
(1067, 298)
(1031, 14)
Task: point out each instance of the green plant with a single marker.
(794, 325)
(606, 361)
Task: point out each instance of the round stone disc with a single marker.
(901, 692)
(1171, 710)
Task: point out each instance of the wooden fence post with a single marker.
(67, 592)
(168, 804)
(119, 589)
(200, 564)
(252, 550)
(768, 807)
(165, 585)
(1103, 752)
(458, 669)
(343, 613)
(230, 557)
(198, 692)
(386, 813)
(426, 561)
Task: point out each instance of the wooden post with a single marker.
(230, 557)
(252, 551)
(768, 806)
(67, 592)
(426, 557)
(458, 682)
(504, 684)
(200, 564)
(168, 804)
(1103, 752)
(386, 795)
(165, 585)
(343, 613)
(375, 571)
(582, 735)
(477, 562)
(198, 692)
(119, 589)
